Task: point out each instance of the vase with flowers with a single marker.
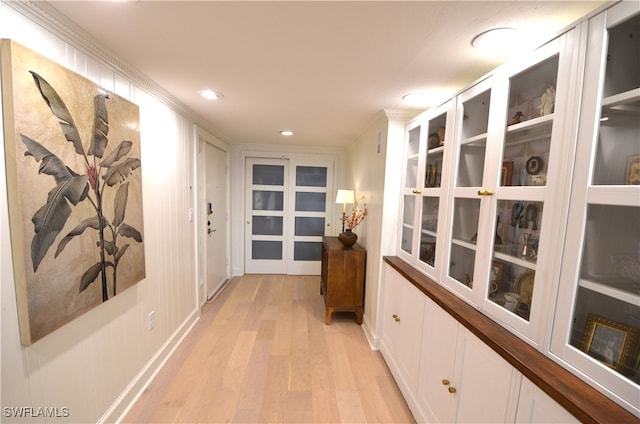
(348, 238)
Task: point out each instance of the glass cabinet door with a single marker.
(598, 325)
(472, 121)
(425, 161)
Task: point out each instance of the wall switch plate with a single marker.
(152, 320)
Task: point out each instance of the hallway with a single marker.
(262, 353)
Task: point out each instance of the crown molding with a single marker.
(401, 114)
(49, 18)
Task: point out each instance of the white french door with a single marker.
(288, 210)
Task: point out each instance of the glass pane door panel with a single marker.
(308, 226)
(476, 115)
(407, 223)
(532, 92)
(471, 164)
(462, 264)
(623, 66)
(429, 229)
(618, 145)
(411, 179)
(267, 225)
(310, 202)
(307, 251)
(268, 175)
(511, 286)
(268, 200)
(474, 140)
(518, 232)
(271, 250)
(311, 176)
(611, 251)
(466, 213)
(413, 144)
(526, 155)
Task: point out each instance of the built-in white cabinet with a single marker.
(535, 406)
(461, 379)
(485, 185)
(426, 172)
(521, 196)
(402, 308)
(597, 325)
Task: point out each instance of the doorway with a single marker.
(288, 211)
(214, 204)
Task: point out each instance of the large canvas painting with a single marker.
(73, 167)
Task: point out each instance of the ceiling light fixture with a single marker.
(496, 41)
(210, 94)
(286, 133)
(427, 98)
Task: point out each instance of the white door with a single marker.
(287, 213)
(216, 264)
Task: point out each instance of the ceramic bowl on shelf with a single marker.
(511, 301)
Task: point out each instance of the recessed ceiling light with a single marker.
(286, 132)
(210, 94)
(496, 42)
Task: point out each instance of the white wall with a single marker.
(375, 162)
(96, 364)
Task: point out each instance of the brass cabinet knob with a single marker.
(445, 382)
(416, 192)
(396, 318)
(485, 193)
(452, 389)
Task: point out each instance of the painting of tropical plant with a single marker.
(81, 217)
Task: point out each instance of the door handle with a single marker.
(209, 231)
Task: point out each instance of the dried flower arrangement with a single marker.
(356, 216)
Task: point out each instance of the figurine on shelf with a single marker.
(517, 118)
(547, 100)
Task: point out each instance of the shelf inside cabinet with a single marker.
(629, 100)
(505, 257)
(434, 150)
(463, 243)
(479, 140)
(531, 130)
(615, 287)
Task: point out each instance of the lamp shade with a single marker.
(345, 197)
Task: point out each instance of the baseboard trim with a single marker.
(369, 334)
(123, 404)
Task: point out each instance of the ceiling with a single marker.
(324, 69)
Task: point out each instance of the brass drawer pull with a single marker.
(485, 193)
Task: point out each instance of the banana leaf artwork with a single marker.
(72, 156)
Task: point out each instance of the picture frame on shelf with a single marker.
(497, 271)
(507, 173)
(608, 341)
(632, 170)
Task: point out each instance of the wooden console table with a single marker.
(342, 278)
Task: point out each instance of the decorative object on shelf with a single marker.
(517, 118)
(610, 342)
(433, 140)
(525, 252)
(441, 135)
(507, 173)
(511, 301)
(537, 180)
(348, 237)
(632, 171)
(534, 165)
(345, 197)
(497, 271)
(547, 100)
(493, 287)
(524, 285)
(431, 177)
(531, 213)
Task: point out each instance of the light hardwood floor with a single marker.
(261, 353)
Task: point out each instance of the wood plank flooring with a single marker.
(261, 353)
